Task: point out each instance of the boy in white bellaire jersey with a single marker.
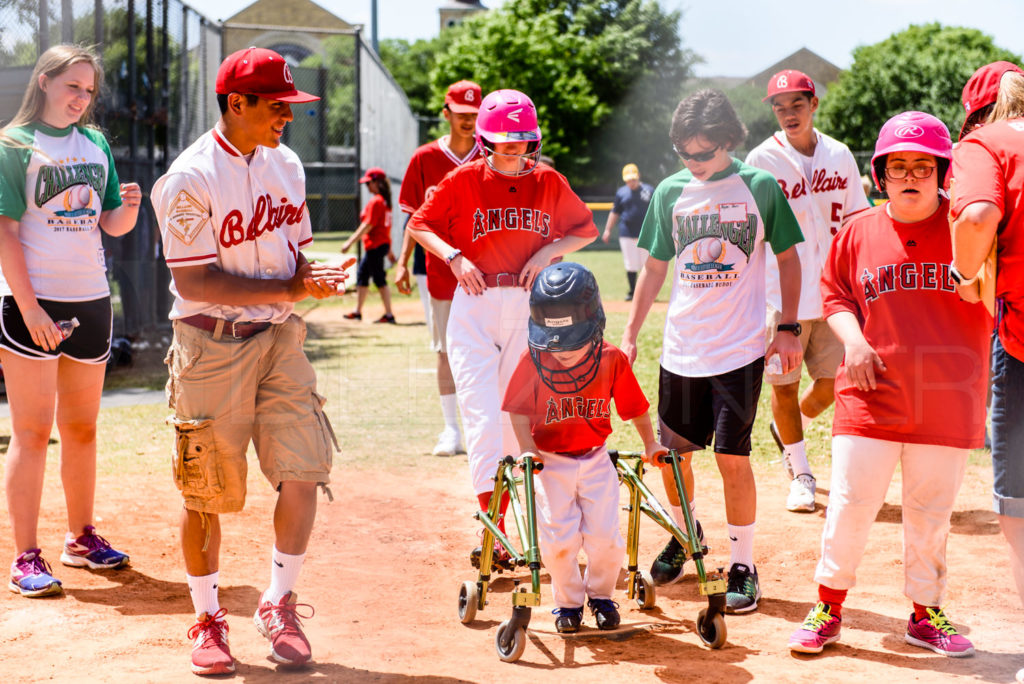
(233, 218)
(819, 177)
(559, 399)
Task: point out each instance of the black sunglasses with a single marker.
(700, 156)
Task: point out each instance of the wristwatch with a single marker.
(794, 328)
(958, 278)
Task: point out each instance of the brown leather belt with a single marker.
(235, 329)
(502, 280)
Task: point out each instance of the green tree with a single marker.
(922, 68)
(410, 65)
(605, 76)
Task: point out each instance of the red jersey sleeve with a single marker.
(574, 218)
(978, 176)
(837, 286)
(629, 399)
(434, 213)
(521, 393)
(411, 195)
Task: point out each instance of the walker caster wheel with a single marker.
(516, 643)
(474, 557)
(712, 632)
(643, 590)
(469, 598)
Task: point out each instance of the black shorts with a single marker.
(372, 267)
(693, 411)
(89, 343)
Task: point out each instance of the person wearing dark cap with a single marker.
(430, 163)
(233, 219)
(821, 181)
(375, 231)
(629, 207)
(988, 205)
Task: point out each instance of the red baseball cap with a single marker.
(261, 72)
(373, 173)
(463, 97)
(788, 81)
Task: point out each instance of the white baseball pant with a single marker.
(487, 334)
(862, 469)
(578, 508)
(633, 257)
(421, 287)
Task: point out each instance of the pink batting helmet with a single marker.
(913, 132)
(507, 116)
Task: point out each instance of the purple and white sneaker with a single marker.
(92, 550)
(30, 576)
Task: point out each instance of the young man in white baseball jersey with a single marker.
(233, 218)
(428, 166)
(819, 177)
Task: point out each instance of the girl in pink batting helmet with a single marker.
(497, 222)
(508, 133)
(911, 388)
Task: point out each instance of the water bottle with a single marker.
(774, 365)
(67, 327)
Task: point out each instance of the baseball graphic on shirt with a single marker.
(77, 197)
(708, 250)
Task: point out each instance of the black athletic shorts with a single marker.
(722, 408)
(372, 266)
(89, 343)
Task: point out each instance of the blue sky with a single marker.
(740, 37)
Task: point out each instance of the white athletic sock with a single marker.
(805, 421)
(284, 572)
(797, 454)
(450, 411)
(203, 591)
(741, 544)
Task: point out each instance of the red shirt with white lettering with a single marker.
(894, 277)
(428, 166)
(988, 166)
(378, 215)
(575, 421)
(500, 221)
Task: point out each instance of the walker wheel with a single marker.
(712, 632)
(516, 645)
(643, 590)
(469, 598)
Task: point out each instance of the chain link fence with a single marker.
(160, 59)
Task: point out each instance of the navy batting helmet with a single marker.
(566, 315)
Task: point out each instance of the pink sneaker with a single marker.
(280, 624)
(210, 652)
(820, 628)
(936, 633)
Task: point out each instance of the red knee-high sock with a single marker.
(485, 501)
(921, 612)
(833, 598)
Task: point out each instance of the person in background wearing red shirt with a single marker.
(375, 230)
(497, 222)
(989, 201)
(428, 166)
(910, 390)
(560, 398)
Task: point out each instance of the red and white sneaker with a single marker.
(210, 652)
(281, 624)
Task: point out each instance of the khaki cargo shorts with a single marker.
(229, 392)
(823, 352)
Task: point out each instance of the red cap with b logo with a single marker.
(261, 72)
(463, 97)
(789, 81)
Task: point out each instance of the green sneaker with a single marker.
(743, 591)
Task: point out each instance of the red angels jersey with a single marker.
(581, 420)
(429, 164)
(821, 203)
(894, 277)
(249, 218)
(500, 221)
(378, 215)
(987, 167)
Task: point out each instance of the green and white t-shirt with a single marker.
(716, 230)
(56, 186)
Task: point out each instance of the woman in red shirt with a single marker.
(375, 230)
(911, 388)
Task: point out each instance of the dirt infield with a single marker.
(388, 557)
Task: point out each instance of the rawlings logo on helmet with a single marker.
(908, 131)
